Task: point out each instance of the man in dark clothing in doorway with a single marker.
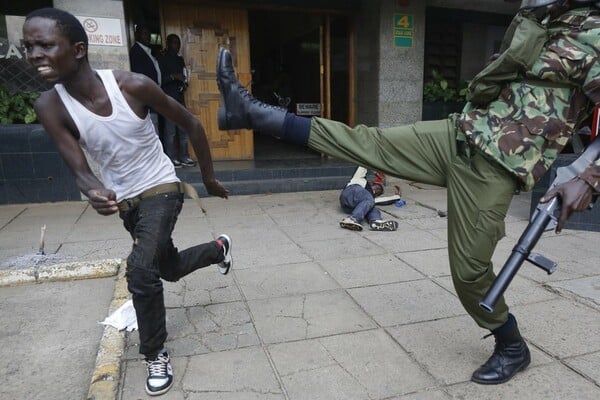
(142, 61)
(174, 83)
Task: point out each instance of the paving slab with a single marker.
(587, 289)
(406, 302)
(312, 315)
(451, 349)
(50, 337)
(552, 382)
(361, 365)
(241, 372)
(587, 365)
(560, 327)
(371, 270)
(431, 263)
(285, 280)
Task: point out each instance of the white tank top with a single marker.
(126, 147)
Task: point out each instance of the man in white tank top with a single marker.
(106, 112)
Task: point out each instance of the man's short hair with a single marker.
(66, 22)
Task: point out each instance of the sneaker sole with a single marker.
(162, 391)
(224, 270)
(352, 227)
(385, 227)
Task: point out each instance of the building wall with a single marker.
(390, 92)
(366, 23)
(401, 77)
(492, 6)
(102, 57)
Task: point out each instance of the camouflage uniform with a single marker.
(530, 123)
(484, 154)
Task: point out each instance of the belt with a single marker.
(174, 187)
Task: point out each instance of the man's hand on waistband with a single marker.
(103, 200)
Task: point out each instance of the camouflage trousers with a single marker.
(479, 192)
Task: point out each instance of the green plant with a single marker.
(437, 89)
(17, 108)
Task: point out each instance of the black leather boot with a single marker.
(239, 109)
(510, 356)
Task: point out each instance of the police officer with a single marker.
(523, 109)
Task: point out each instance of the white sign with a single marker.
(103, 31)
(11, 48)
(311, 109)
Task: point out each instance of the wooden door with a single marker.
(202, 30)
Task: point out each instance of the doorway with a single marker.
(299, 61)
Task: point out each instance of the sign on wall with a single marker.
(308, 109)
(102, 31)
(403, 30)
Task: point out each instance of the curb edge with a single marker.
(104, 383)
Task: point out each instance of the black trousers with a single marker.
(153, 257)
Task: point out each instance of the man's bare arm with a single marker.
(140, 91)
(60, 127)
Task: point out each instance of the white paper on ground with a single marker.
(123, 317)
(386, 200)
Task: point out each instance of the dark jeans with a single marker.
(153, 257)
(359, 202)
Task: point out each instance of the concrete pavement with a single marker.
(309, 311)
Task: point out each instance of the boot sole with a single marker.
(219, 62)
(221, 115)
(221, 112)
(159, 392)
(222, 119)
(483, 382)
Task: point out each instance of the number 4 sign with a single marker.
(403, 30)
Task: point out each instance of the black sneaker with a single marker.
(380, 225)
(160, 375)
(227, 262)
(188, 162)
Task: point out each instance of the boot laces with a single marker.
(246, 94)
(499, 345)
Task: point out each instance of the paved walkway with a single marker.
(309, 311)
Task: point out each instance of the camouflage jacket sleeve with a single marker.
(533, 118)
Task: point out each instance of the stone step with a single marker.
(278, 185)
(274, 176)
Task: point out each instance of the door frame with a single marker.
(325, 46)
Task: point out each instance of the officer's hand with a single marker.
(104, 201)
(214, 188)
(576, 195)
